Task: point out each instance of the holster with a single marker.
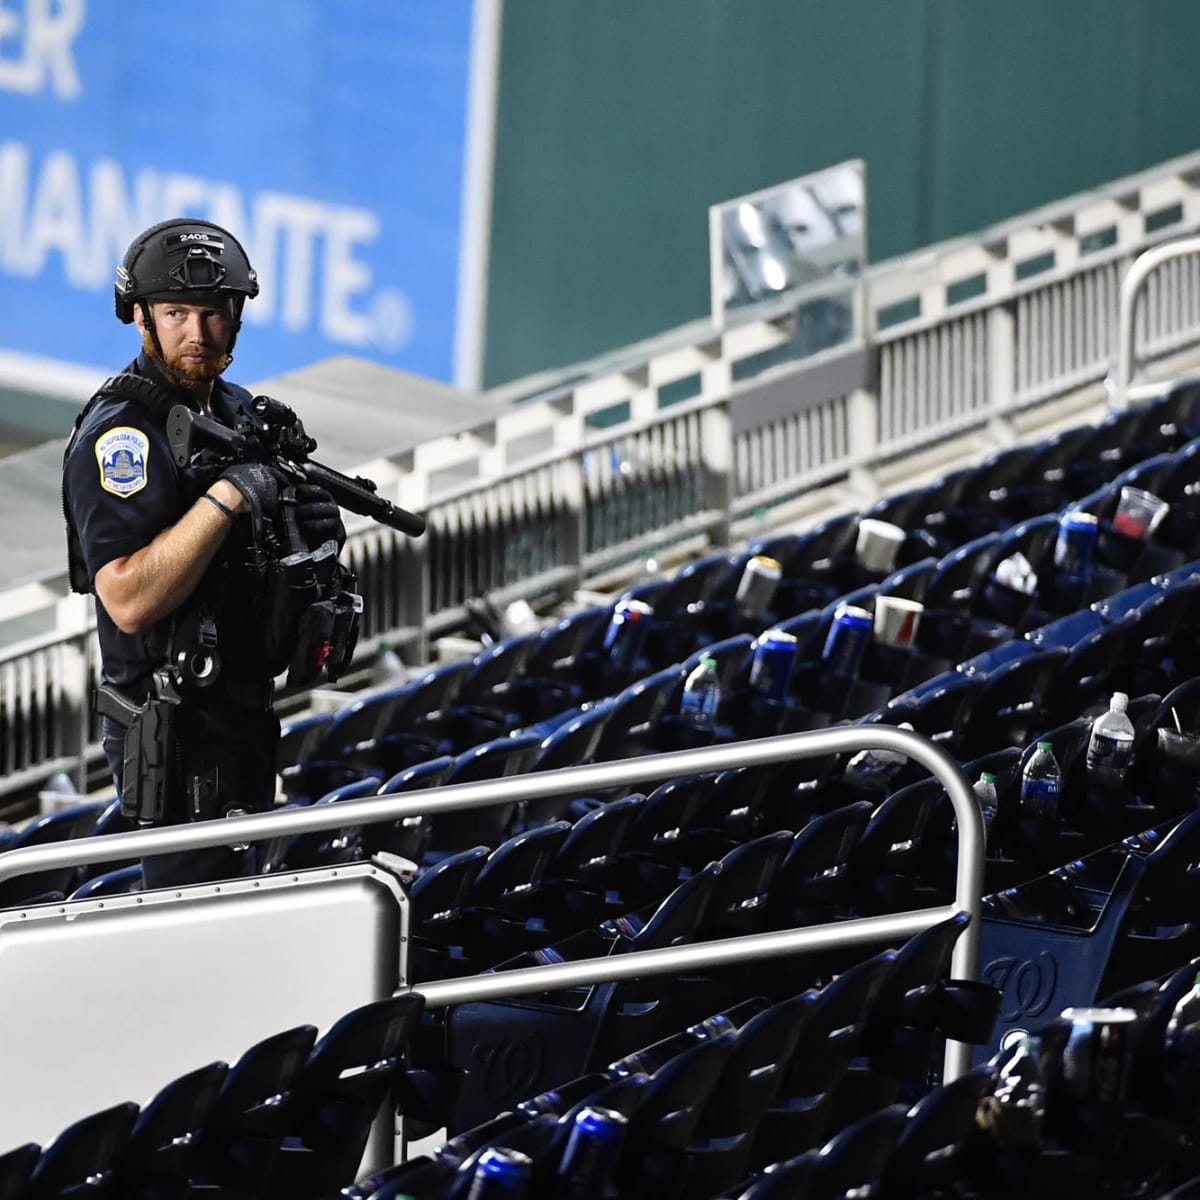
(148, 783)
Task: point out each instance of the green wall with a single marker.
(620, 121)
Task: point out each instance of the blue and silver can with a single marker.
(774, 658)
(756, 587)
(847, 640)
(500, 1174)
(591, 1153)
(1073, 549)
(626, 632)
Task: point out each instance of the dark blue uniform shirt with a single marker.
(122, 488)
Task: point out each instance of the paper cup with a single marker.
(1138, 513)
(896, 620)
(878, 544)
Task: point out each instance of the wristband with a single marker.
(219, 505)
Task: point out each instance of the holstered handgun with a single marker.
(147, 776)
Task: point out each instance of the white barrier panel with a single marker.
(105, 1001)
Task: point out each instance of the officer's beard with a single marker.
(183, 373)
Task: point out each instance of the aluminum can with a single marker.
(1098, 1054)
(591, 1152)
(756, 588)
(500, 1174)
(1073, 548)
(847, 640)
(626, 632)
(774, 658)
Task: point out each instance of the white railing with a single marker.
(175, 948)
(692, 439)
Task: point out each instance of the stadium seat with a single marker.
(799, 1114)
(437, 896)
(16, 1166)
(248, 1118)
(161, 1144)
(65, 824)
(489, 825)
(327, 847)
(485, 703)
(79, 1161)
(930, 1155)
(407, 836)
(661, 1128)
(750, 1079)
(117, 882)
(560, 670)
(337, 1094)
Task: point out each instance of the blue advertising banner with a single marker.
(329, 137)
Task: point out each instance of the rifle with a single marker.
(281, 443)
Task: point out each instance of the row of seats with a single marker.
(291, 1117)
(705, 857)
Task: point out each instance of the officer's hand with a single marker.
(257, 483)
(318, 517)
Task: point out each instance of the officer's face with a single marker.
(194, 337)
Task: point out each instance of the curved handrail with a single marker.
(1120, 383)
(586, 778)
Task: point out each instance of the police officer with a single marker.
(170, 555)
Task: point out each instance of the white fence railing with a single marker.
(694, 438)
(164, 960)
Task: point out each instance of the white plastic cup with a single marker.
(878, 544)
(897, 620)
(1138, 513)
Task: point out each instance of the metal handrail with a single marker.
(583, 779)
(1121, 389)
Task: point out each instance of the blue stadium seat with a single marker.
(408, 836)
(799, 1114)
(79, 1161)
(117, 882)
(485, 703)
(65, 824)
(16, 1166)
(337, 1094)
(560, 671)
(247, 1121)
(450, 831)
(750, 1079)
(930, 1153)
(161, 1144)
(328, 847)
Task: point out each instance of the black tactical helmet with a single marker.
(180, 256)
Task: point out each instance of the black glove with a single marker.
(318, 517)
(257, 483)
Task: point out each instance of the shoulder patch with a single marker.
(122, 455)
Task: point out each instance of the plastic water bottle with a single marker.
(1111, 745)
(701, 695)
(387, 666)
(1015, 1111)
(875, 768)
(989, 802)
(59, 791)
(1041, 783)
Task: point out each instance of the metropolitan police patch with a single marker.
(121, 454)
